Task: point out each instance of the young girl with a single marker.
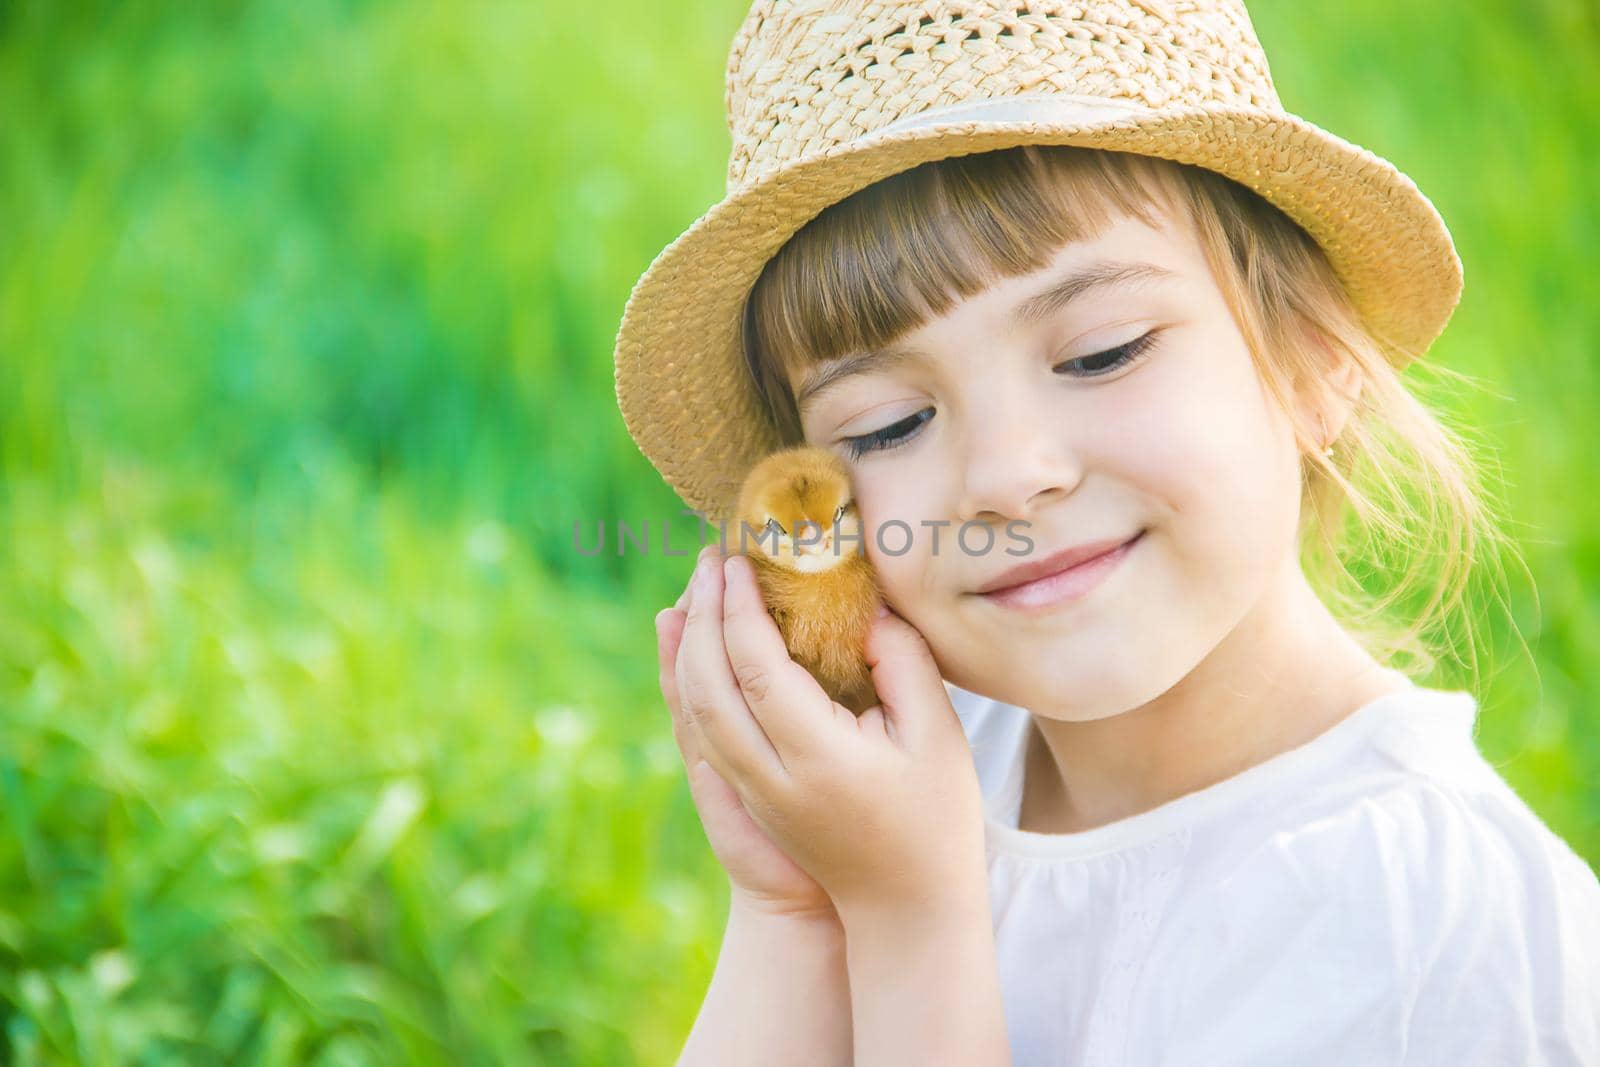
(1136, 795)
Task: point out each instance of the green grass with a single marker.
(318, 742)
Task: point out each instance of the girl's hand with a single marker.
(884, 811)
(763, 877)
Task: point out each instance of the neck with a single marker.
(1285, 674)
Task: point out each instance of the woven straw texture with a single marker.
(825, 98)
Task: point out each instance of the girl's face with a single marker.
(1128, 406)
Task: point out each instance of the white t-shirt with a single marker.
(1379, 895)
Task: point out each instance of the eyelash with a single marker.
(1127, 353)
(898, 433)
(886, 438)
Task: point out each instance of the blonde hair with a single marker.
(887, 259)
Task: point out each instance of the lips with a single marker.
(1054, 564)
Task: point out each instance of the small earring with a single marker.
(1327, 452)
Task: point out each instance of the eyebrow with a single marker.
(1095, 276)
(1030, 311)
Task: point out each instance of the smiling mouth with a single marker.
(1065, 584)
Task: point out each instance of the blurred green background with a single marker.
(318, 742)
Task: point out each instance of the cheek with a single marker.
(1222, 464)
(893, 499)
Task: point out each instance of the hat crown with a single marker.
(804, 76)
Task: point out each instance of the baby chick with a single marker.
(797, 523)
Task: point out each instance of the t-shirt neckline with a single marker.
(1002, 807)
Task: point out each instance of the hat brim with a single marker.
(681, 380)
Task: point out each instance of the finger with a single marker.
(905, 675)
(732, 741)
(669, 633)
(785, 699)
(669, 670)
(674, 619)
(683, 597)
(708, 788)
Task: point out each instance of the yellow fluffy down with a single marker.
(824, 618)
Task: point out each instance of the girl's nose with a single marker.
(1016, 462)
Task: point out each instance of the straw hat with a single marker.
(825, 97)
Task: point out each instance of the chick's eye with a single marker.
(775, 527)
(839, 514)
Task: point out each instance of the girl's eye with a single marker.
(1105, 362)
(891, 436)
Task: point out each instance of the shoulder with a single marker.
(1449, 834)
(1429, 863)
(1420, 895)
(1424, 844)
(1418, 811)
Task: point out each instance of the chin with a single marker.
(1085, 703)
(1041, 676)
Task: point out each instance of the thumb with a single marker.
(904, 674)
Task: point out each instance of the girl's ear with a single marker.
(1326, 399)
